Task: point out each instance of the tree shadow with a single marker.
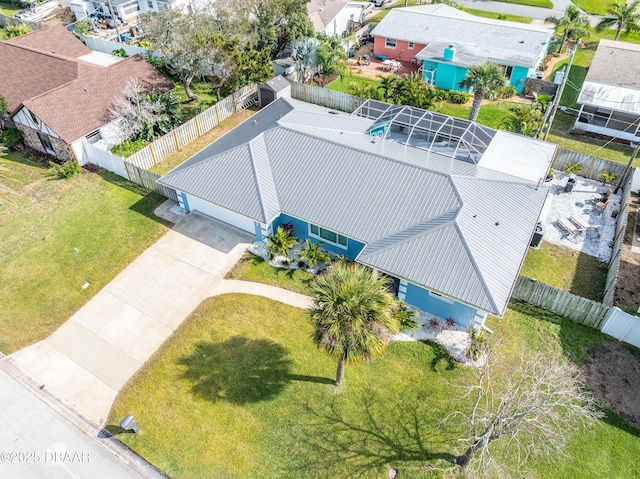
(442, 360)
(311, 379)
(239, 370)
(375, 436)
(111, 430)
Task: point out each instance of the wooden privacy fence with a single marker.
(591, 166)
(329, 98)
(173, 141)
(148, 179)
(576, 308)
(618, 241)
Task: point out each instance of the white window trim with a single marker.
(386, 43)
(441, 297)
(411, 45)
(324, 240)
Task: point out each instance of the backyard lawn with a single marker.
(597, 7)
(241, 391)
(55, 235)
(566, 269)
(9, 8)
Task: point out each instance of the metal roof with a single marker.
(476, 39)
(610, 97)
(277, 83)
(414, 209)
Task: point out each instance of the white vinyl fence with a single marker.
(623, 326)
(105, 159)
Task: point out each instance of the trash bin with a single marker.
(571, 182)
(537, 236)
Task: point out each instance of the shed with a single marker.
(273, 89)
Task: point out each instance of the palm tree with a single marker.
(387, 85)
(485, 80)
(280, 243)
(575, 24)
(313, 254)
(624, 17)
(304, 54)
(352, 314)
(523, 119)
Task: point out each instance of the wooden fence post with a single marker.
(153, 155)
(175, 137)
(217, 114)
(235, 105)
(197, 126)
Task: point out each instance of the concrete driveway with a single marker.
(90, 358)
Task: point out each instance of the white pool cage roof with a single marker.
(453, 137)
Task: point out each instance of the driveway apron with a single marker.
(91, 357)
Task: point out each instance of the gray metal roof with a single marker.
(476, 39)
(412, 208)
(277, 83)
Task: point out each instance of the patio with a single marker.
(579, 203)
(375, 66)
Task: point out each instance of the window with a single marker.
(410, 45)
(440, 297)
(33, 117)
(163, 6)
(508, 70)
(327, 235)
(129, 8)
(46, 143)
(390, 43)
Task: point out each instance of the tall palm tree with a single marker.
(352, 314)
(485, 80)
(387, 85)
(575, 24)
(304, 54)
(624, 17)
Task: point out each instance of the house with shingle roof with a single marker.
(337, 17)
(609, 98)
(445, 207)
(447, 41)
(59, 92)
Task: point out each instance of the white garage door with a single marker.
(222, 214)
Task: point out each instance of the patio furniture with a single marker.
(569, 229)
(602, 197)
(592, 230)
(600, 207)
(571, 182)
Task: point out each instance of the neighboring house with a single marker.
(610, 95)
(336, 17)
(447, 41)
(59, 92)
(445, 207)
(124, 10)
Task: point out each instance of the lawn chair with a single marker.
(569, 229)
(602, 197)
(591, 230)
(600, 207)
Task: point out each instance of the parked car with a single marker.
(380, 3)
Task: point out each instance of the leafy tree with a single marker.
(352, 314)
(304, 54)
(313, 254)
(280, 243)
(17, 30)
(625, 18)
(387, 86)
(485, 80)
(533, 410)
(332, 58)
(574, 24)
(523, 119)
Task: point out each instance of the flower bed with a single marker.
(294, 261)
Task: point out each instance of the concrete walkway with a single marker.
(258, 289)
(91, 357)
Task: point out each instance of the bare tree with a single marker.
(135, 111)
(534, 410)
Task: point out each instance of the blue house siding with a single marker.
(261, 231)
(301, 231)
(443, 308)
(183, 201)
(518, 77)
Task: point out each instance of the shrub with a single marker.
(507, 92)
(607, 177)
(302, 264)
(476, 344)
(458, 97)
(405, 316)
(434, 323)
(120, 52)
(67, 169)
(571, 169)
(449, 322)
(17, 30)
(441, 94)
(12, 137)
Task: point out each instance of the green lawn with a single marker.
(9, 8)
(55, 235)
(533, 3)
(597, 7)
(343, 84)
(567, 269)
(499, 16)
(240, 391)
(254, 268)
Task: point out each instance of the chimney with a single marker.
(449, 53)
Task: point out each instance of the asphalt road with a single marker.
(36, 442)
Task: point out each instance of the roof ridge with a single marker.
(476, 268)
(412, 232)
(260, 179)
(41, 52)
